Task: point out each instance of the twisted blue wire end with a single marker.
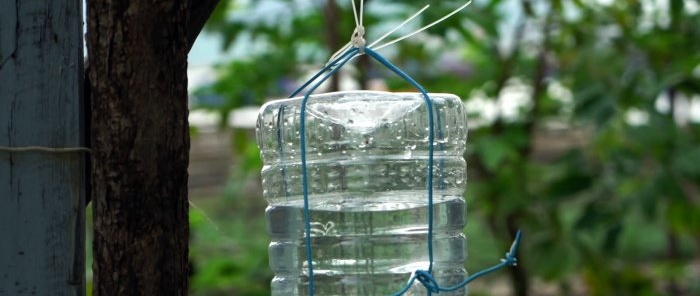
(510, 258)
(427, 280)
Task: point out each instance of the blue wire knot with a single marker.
(510, 258)
(425, 278)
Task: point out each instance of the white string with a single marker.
(353, 41)
(357, 38)
(426, 27)
(415, 15)
(358, 35)
(362, 11)
(216, 226)
(354, 12)
(340, 51)
(44, 149)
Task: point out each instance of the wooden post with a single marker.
(42, 192)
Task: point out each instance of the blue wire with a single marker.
(423, 276)
(281, 112)
(431, 284)
(431, 139)
(351, 52)
(302, 142)
(509, 260)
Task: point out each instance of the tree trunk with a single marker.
(140, 141)
(42, 191)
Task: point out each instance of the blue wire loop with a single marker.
(423, 276)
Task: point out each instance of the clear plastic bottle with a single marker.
(367, 159)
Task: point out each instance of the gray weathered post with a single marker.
(42, 191)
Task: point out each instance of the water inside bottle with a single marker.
(369, 245)
(367, 168)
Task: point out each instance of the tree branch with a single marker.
(199, 13)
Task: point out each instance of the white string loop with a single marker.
(357, 39)
(425, 27)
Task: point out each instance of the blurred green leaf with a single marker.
(687, 162)
(566, 259)
(494, 151)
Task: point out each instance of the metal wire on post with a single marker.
(45, 149)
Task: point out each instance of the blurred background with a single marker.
(584, 132)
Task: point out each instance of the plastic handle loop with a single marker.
(423, 276)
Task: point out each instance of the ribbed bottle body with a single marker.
(367, 166)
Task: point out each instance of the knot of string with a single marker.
(358, 39)
(358, 35)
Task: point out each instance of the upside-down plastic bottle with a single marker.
(367, 165)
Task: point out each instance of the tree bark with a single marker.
(140, 141)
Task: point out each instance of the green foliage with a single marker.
(610, 201)
(229, 248)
